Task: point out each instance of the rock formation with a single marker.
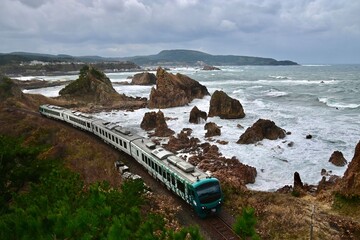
(297, 181)
(94, 88)
(350, 183)
(337, 158)
(225, 107)
(212, 129)
(9, 89)
(208, 158)
(156, 121)
(196, 115)
(210, 68)
(174, 90)
(91, 84)
(144, 78)
(263, 128)
(183, 142)
(228, 170)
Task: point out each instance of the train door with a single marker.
(191, 196)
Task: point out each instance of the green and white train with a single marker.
(194, 186)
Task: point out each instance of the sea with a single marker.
(318, 100)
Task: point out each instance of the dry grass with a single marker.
(283, 216)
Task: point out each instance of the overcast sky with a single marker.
(305, 31)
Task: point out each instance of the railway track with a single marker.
(221, 229)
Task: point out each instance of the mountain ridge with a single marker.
(164, 58)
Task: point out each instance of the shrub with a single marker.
(245, 224)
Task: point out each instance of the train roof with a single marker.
(116, 129)
(178, 165)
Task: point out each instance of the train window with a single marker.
(88, 125)
(173, 180)
(168, 176)
(137, 152)
(164, 174)
(117, 141)
(180, 185)
(121, 142)
(156, 167)
(160, 170)
(106, 134)
(125, 145)
(112, 137)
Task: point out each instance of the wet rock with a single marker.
(196, 115)
(144, 78)
(210, 68)
(182, 142)
(156, 121)
(285, 189)
(208, 158)
(263, 128)
(225, 107)
(297, 181)
(337, 158)
(174, 90)
(212, 129)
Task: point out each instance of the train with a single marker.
(198, 189)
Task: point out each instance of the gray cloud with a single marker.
(297, 30)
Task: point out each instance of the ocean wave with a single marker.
(279, 77)
(275, 93)
(316, 65)
(330, 102)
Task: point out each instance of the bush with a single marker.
(245, 224)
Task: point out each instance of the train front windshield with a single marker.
(208, 192)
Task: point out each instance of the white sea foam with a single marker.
(331, 102)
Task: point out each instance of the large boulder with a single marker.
(350, 183)
(174, 90)
(196, 115)
(263, 128)
(337, 158)
(212, 129)
(224, 106)
(156, 121)
(144, 78)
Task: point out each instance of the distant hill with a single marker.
(23, 62)
(191, 57)
(25, 57)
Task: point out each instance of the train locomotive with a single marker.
(198, 189)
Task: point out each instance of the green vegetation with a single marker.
(44, 200)
(5, 87)
(348, 205)
(244, 225)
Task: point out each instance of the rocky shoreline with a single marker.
(329, 196)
